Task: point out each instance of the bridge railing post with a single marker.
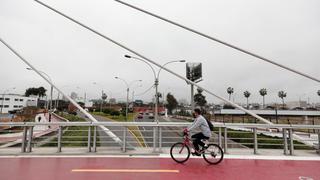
(255, 141)
(95, 139)
(220, 137)
(160, 138)
(291, 141)
(59, 139)
(285, 141)
(89, 139)
(154, 139)
(226, 140)
(124, 145)
(29, 146)
(24, 139)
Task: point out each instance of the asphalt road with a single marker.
(106, 141)
(170, 135)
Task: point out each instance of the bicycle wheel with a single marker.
(213, 154)
(179, 152)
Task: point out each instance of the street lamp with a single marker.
(4, 92)
(156, 79)
(51, 90)
(128, 87)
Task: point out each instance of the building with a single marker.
(13, 102)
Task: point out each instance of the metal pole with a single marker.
(50, 109)
(24, 139)
(255, 141)
(291, 142)
(59, 139)
(156, 83)
(160, 138)
(154, 139)
(95, 139)
(124, 148)
(225, 140)
(127, 104)
(220, 137)
(192, 97)
(89, 139)
(318, 141)
(285, 141)
(29, 147)
(101, 101)
(153, 62)
(219, 41)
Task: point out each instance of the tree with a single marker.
(40, 91)
(263, 92)
(247, 95)
(172, 102)
(200, 99)
(282, 95)
(230, 91)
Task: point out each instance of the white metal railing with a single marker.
(163, 134)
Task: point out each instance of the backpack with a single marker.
(210, 125)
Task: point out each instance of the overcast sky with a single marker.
(286, 31)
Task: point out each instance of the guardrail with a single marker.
(164, 134)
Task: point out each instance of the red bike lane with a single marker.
(102, 168)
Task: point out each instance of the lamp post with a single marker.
(4, 92)
(156, 80)
(128, 87)
(51, 90)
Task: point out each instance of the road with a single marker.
(170, 135)
(106, 141)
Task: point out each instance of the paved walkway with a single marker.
(139, 168)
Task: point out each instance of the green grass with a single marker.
(133, 129)
(120, 118)
(265, 142)
(75, 136)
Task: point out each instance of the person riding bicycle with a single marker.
(205, 133)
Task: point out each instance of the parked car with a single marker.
(151, 116)
(140, 116)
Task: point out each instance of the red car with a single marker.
(140, 116)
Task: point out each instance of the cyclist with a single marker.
(199, 122)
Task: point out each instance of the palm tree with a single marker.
(247, 95)
(263, 92)
(282, 95)
(230, 91)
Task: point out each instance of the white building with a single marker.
(11, 102)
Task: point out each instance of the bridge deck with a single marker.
(101, 168)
